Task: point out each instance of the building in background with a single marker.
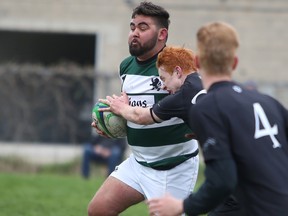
(94, 32)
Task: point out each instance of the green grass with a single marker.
(50, 195)
(47, 192)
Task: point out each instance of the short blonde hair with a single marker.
(217, 43)
(172, 56)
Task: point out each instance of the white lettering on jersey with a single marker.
(267, 130)
(142, 100)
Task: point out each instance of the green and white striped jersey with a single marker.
(159, 144)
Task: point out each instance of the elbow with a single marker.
(222, 176)
(229, 184)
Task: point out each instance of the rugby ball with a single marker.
(112, 125)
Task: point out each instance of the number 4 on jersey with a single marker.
(267, 130)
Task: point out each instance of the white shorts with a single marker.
(178, 181)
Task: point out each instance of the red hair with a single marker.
(172, 56)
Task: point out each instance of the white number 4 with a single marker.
(267, 130)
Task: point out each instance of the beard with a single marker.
(139, 50)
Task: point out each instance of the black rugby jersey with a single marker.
(178, 104)
(250, 130)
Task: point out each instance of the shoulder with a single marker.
(126, 62)
(224, 89)
(205, 103)
(192, 88)
(193, 81)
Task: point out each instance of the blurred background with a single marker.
(57, 57)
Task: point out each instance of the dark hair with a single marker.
(149, 9)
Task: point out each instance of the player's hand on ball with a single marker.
(105, 101)
(98, 131)
(116, 103)
(107, 123)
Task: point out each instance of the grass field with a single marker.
(50, 193)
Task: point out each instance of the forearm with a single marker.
(138, 115)
(221, 180)
(120, 106)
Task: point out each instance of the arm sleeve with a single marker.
(170, 106)
(221, 181)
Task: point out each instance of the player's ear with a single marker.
(235, 63)
(179, 71)
(163, 34)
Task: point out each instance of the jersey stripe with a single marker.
(156, 125)
(164, 142)
(161, 136)
(164, 151)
